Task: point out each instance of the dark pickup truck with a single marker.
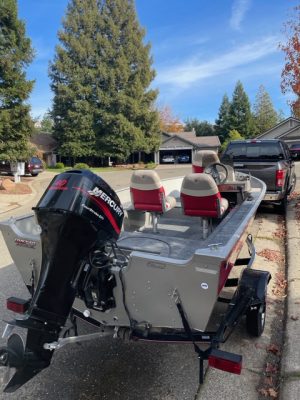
(268, 160)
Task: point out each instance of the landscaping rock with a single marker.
(7, 184)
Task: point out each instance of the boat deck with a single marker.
(177, 238)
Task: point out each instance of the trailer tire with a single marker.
(255, 319)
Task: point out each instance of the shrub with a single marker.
(60, 165)
(151, 165)
(81, 166)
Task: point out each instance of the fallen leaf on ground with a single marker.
(273, 348)
(272, 393)
(280, 284)
(271, 368)
(294, 195)
(271, 255)
(268, 381)
(263, 392)
(280, 233)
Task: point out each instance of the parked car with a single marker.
(295, 150)
(168, 158)
(268, 160)
(32, 167)
(183, 158)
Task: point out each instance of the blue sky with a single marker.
(200, 49)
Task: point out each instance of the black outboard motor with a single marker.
(77, 212)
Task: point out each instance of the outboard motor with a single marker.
(78, 213)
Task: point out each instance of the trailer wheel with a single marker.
(255, 319)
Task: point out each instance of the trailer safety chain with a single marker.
(202, 354)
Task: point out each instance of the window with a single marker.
(253, 150)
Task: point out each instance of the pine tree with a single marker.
(16, 53)
(222, 126)
(201, 128)
(74, 80)
(265, 116)
(101, 74)
(240, 117)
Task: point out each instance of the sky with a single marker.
(200, 49)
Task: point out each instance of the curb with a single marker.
(290, 363)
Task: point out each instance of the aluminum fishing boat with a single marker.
(149, 262)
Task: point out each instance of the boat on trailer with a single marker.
(149, 262)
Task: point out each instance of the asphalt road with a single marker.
(116, 370)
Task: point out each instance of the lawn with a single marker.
(108, 169)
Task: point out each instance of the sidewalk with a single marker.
(290, 364)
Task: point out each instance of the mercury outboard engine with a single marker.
(78, 213)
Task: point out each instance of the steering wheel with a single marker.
(218, 171)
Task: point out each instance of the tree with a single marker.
(16, 54)
(100, 78)
(168, 122)
(265, 116)
(240, 117)
(222, 126)
(46, 123)
(201, 128)
(290, 76)
(232, 135)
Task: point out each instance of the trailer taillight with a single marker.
(225, 361)
(279, 178)
(17, 305)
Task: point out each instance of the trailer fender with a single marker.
(255, 282)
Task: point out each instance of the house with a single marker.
(174, 143)
(45, 145)
(184, 143)
(287, 130)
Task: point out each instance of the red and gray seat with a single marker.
(200, 197)
(203, 159)
(148, 194)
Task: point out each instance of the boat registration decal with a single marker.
(30, 244)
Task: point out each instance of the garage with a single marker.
(180, 147)
(182, 156)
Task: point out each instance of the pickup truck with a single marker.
(268, 160)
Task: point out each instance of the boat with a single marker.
(150, 262)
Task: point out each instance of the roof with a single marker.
(295, 128)
(278, 125)
(191, 138)
(44, 142)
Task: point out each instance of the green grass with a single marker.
(102, 169)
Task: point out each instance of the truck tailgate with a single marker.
(266, 171)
